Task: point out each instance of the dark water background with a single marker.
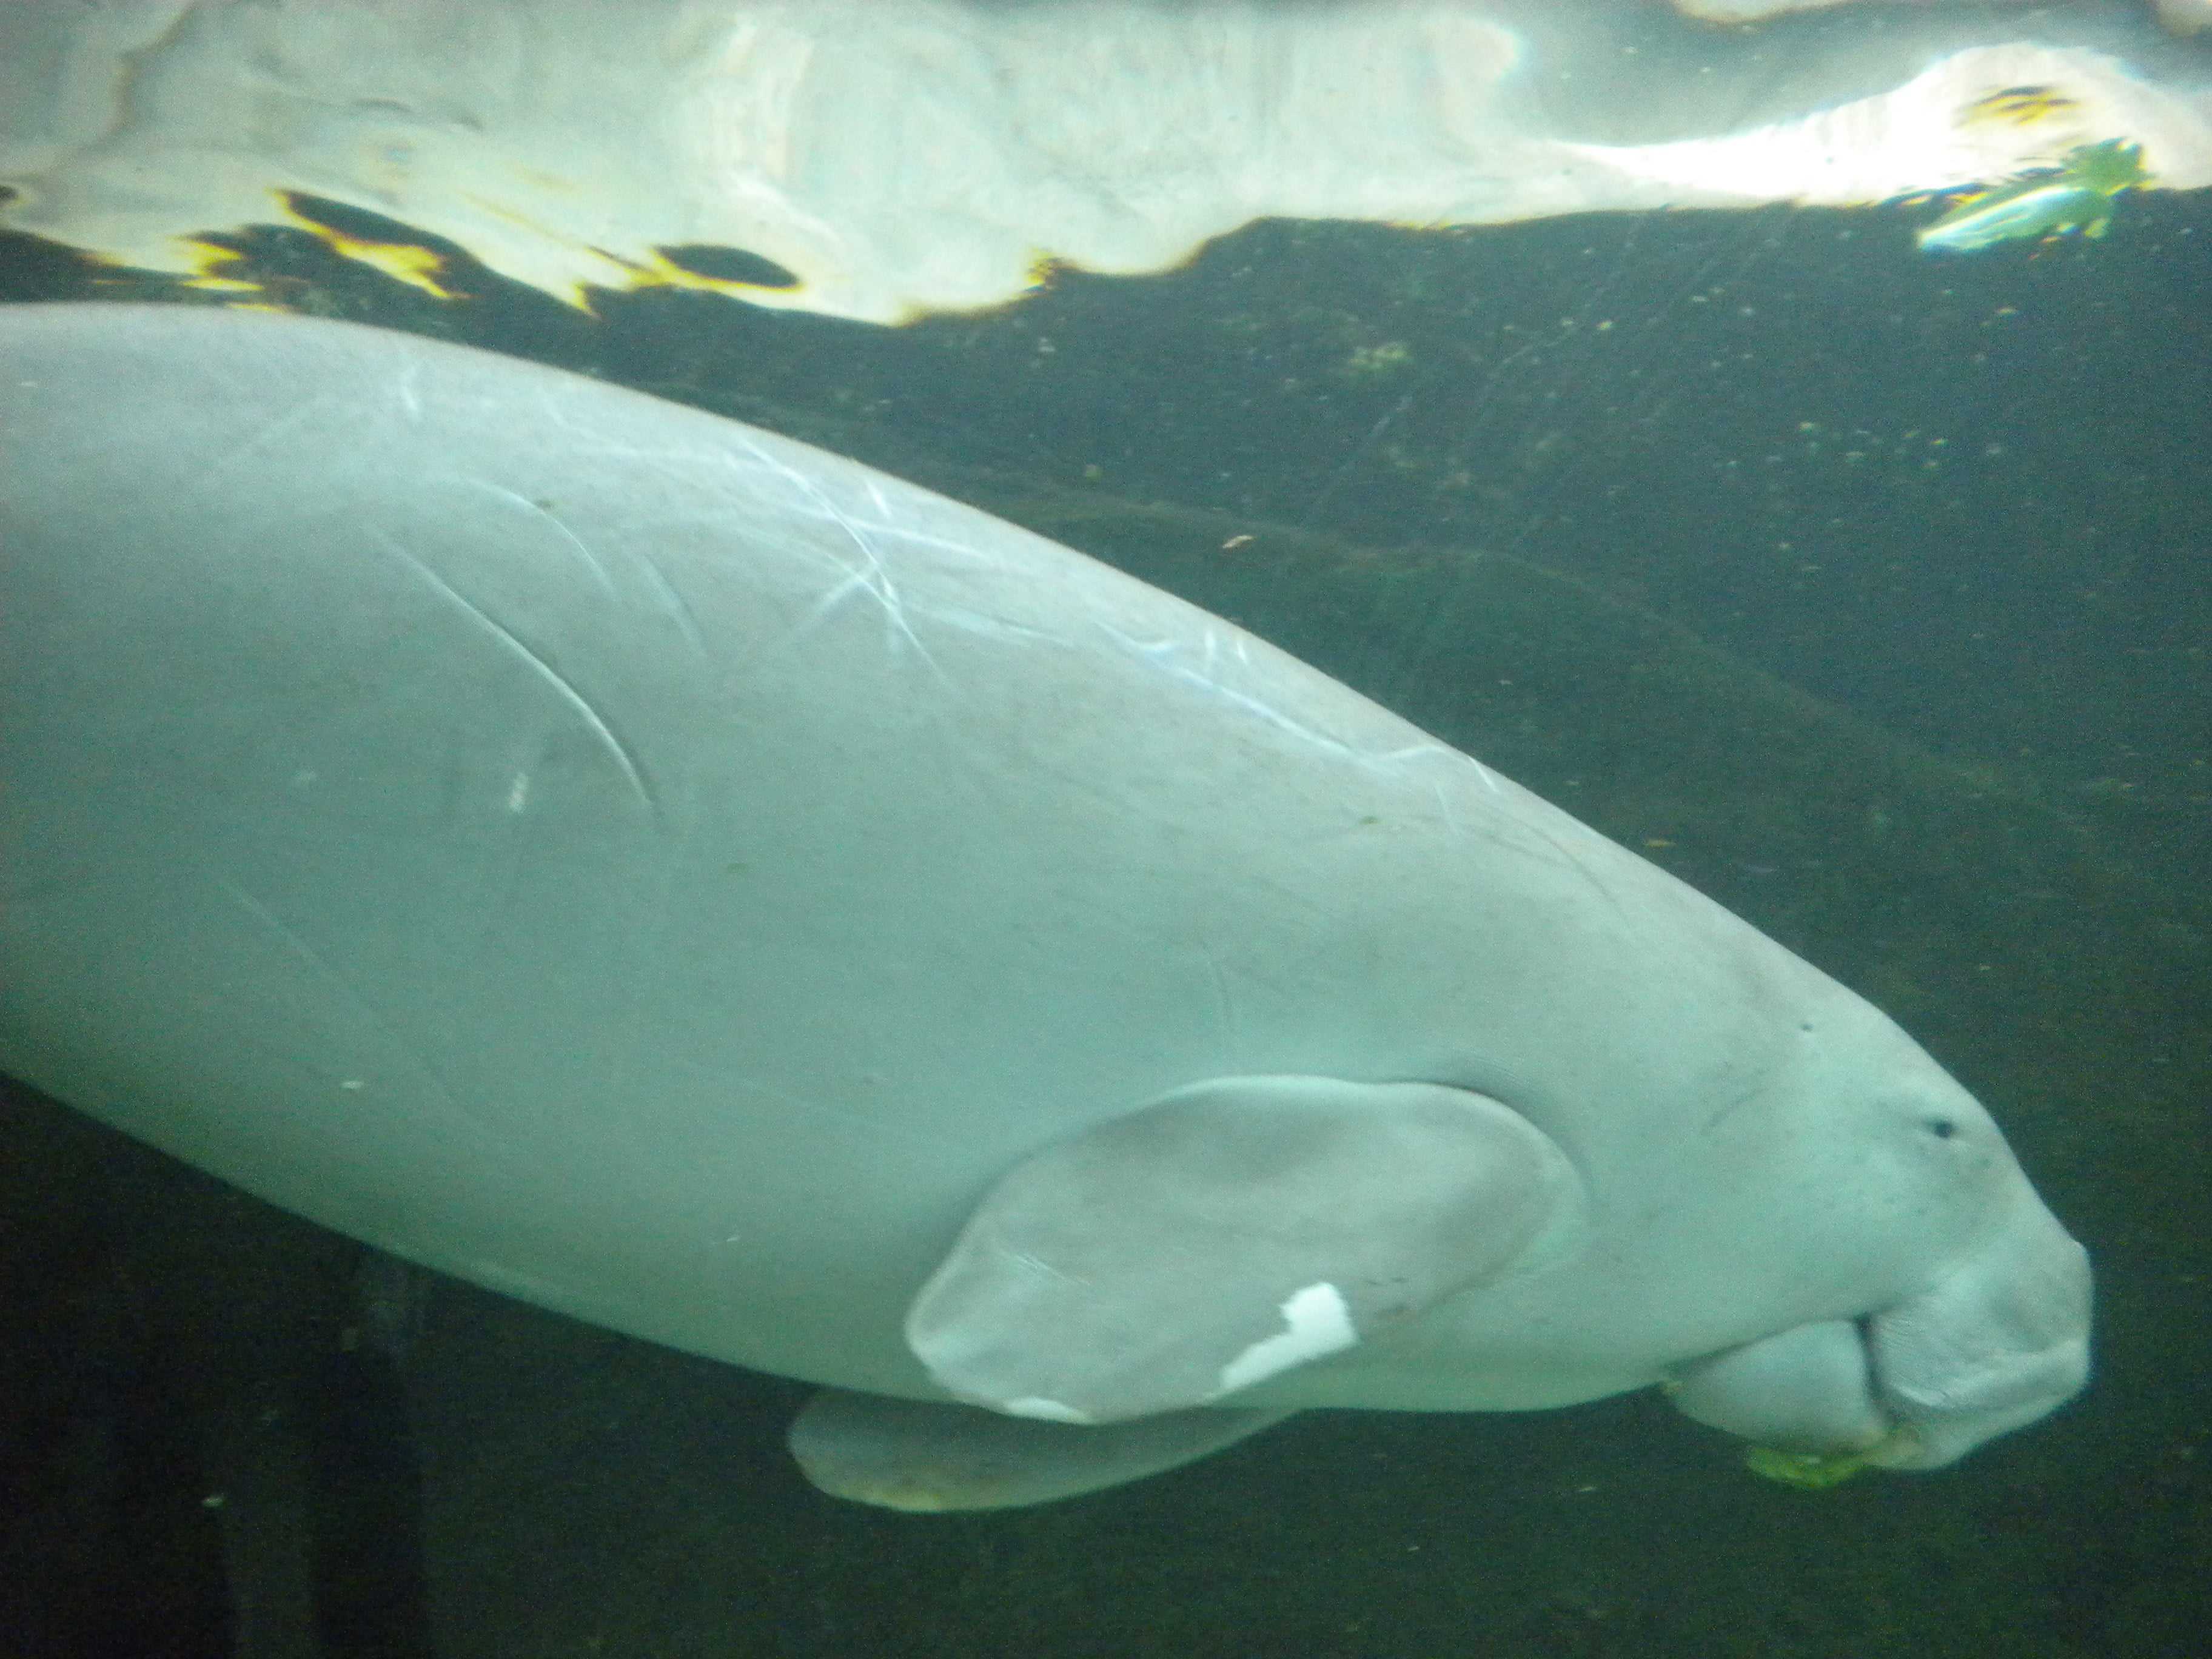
(1869, 592)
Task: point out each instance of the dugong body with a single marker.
(708, 887)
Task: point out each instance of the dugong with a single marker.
(700, 884)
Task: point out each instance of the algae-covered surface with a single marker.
(1868, 597)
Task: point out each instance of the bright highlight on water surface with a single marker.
(889, 161)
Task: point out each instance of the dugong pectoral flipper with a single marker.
(924, 1455)
(1229, 1231)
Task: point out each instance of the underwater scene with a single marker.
(622, 1032)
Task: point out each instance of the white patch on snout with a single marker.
(1044, 1410)
(1317, 1322)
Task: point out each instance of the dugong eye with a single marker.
(1941, 1127)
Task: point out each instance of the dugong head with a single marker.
(1987, 1331)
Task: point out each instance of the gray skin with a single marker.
(696, 883)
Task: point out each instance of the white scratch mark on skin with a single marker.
(275, 432)
(1225, 1007)
(1037, 1265)
(872, 576)
(518, 794)
(1316, 1320)
(856, 581)
(994, 627)
(268, 919)
(679, 606)
(575, 699)
(966, 550)
(1162, 654)
(537, 511)
(1444, 806)
(1416, 752)
(448, 1103)
(672, 597)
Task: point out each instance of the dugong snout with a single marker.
(1999, 1337)
(1997, 1342)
